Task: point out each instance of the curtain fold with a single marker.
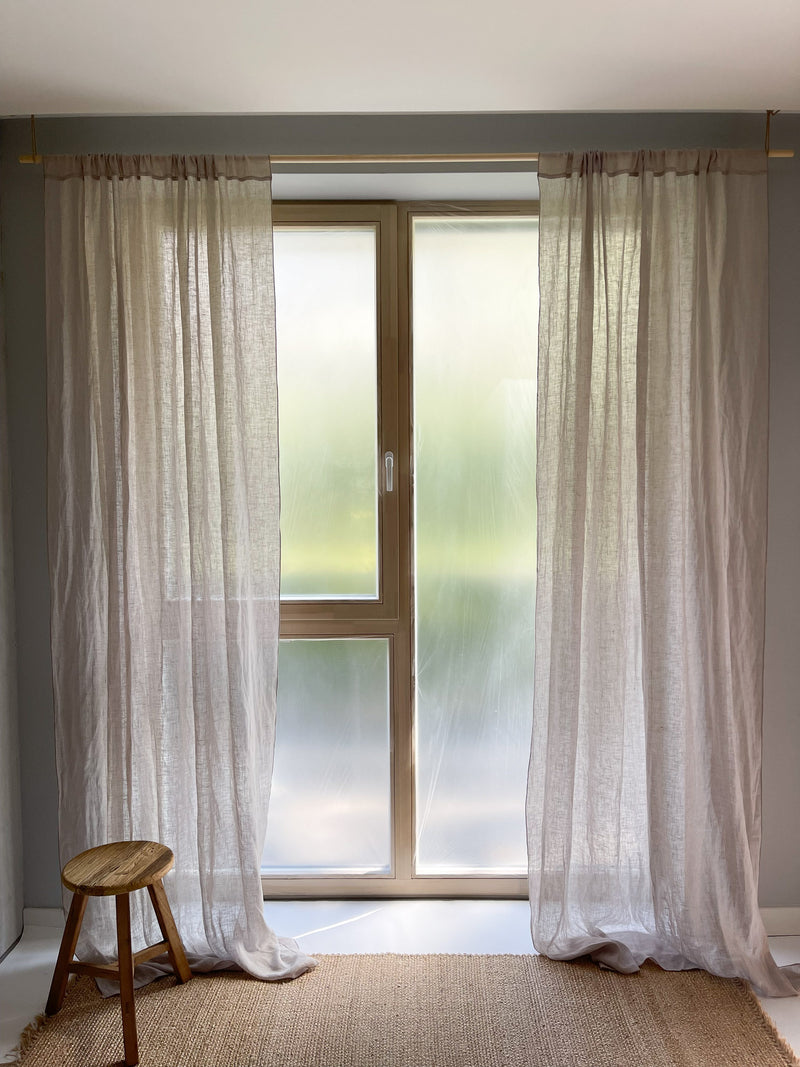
(163, 518)
(644, 787)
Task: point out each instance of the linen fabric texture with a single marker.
(163, 520)
(644, 820)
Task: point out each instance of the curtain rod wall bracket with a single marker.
(34, 157)
(766, 133)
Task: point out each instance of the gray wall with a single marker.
(23, 247)
(10, 796)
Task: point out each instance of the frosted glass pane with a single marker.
(326, 315)
(330, 804)
(475, 292)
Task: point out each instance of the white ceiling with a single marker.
(261, 56)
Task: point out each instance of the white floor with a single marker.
(490, 926)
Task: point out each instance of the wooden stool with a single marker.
(116, 870)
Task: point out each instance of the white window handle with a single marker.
(388, 465)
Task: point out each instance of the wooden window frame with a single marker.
(391, 616)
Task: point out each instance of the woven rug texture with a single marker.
(422, 1011)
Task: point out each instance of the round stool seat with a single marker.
(120, 867)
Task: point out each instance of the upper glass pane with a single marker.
(326, 310)
(475, 312)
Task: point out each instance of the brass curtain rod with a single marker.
(439, 157)
(462, 157)
(457, 157)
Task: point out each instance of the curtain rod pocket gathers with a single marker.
(161, 168)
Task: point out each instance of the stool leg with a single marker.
(58, 987)
(163, 912)
(126, 979)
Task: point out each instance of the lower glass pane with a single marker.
(475, 325)
(330, 807)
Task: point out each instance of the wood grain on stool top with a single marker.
(120, 867)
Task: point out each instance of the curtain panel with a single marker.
(644, 788)
(163, 518)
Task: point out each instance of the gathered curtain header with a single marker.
(161, 168)
(675, 161)
(551, 165)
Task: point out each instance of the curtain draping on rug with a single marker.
(644, 789)
(163, 512)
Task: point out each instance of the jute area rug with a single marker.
(422, 1011)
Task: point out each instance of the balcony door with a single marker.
(407, 402)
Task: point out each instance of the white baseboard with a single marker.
(781, 922)
(43, 917)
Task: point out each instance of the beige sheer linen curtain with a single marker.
(644, 790)
(163, 511)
